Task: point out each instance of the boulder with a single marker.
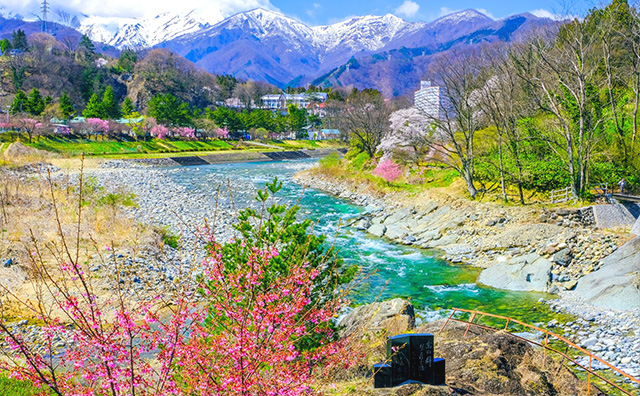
(636, 228)
(525, 273)
(458, 249)
(396, 231)
(444, 241)
(563, 257)
(394, 316)
(377, 230)
(397, 216)
(616, 285)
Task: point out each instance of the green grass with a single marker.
(11, 387)
(75, 147)
(307, 144)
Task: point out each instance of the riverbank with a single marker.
(519, 248)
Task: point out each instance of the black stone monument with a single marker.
(411, 359)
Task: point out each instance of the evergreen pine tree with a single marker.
(86, 42)
(94, 108)
(110, 107)
(66, 107)
(20, 40)
(127, 107)
(20, 103)
(35, 104)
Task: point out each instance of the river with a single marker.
(433, 284)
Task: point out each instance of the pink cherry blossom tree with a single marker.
(97, 126)
(222, 133)
(30, 126)
(388, 170)
(159, 131)
(185, 132)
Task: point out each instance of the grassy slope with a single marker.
(160, 148)
(100, 147)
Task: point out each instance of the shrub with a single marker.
(388, 170)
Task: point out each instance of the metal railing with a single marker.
(545, 344)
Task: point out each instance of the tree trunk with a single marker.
(504, 192)
(467, 171)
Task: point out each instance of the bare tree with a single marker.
(504, 103)
(457, 118)
(365, 116)
(562, 77)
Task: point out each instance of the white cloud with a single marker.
(444, 11)
(312, 11)
(486, 12)
(207, 9)
(542, 13)
(408, 9)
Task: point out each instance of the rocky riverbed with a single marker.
(539, 249)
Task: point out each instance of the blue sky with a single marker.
(312, 12)
(320, 12)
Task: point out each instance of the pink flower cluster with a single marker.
(159, 132)
(185, 132)
(243, 341)
(98, 125)
(222, 133)
(388, 170)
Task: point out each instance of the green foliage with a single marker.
(12, 387)
(169, 238)
(127, 60)
(35, 103)
(94, 108)
(127, 107)
(331, 160)
(20, 40)
(5, 46)
(169, 110)
(109, 105)
(87, 44)
(359, 162)
(66, 106)
(278, 224)
(20, 103)
(118, 198)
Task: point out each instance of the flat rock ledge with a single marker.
(392, 316)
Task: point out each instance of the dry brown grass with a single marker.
(31, 206)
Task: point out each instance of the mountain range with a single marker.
(384, 52)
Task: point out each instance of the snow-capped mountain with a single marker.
(142, 33)
(360, 33)
(367, 51)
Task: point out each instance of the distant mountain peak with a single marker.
(463, 16)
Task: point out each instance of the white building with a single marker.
(429, 100)
(303, 100)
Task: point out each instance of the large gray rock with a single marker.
(396, 231)
(636, 228)
(377, 230)
(616, 285)
(397, 216)
(525, 273)
(394, 316)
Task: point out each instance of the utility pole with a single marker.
(45, 11)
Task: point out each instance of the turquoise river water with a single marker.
(433, 284)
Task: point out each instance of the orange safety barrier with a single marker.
(545, 344)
